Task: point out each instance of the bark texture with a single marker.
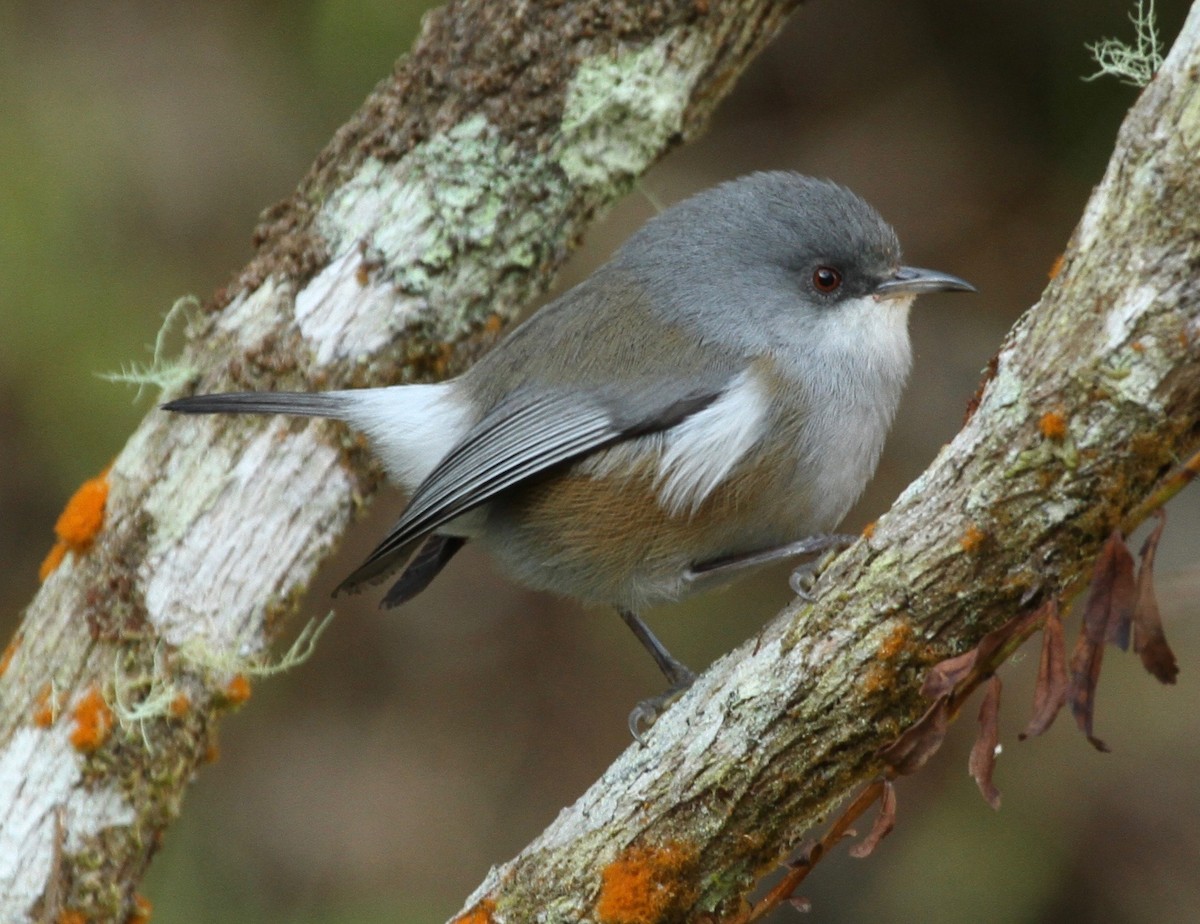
(444, 205)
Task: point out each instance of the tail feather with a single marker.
(300, 404)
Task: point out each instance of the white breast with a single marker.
(852, 399)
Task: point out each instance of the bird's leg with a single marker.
(719, 569)
(678, 675)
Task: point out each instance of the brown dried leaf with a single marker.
(1148, 639)
(944, 676)
(1053, 683)
(1122, 591)
(908, 753)
(1110, 604)
(983, 753)
(884, 822)
(993, 645)
(963, 673)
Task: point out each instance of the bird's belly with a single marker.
(610, 540)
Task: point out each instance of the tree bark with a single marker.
(440, 209)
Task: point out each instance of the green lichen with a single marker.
(622, 108)
(1133, 64)
(461, 211)
(167, 375)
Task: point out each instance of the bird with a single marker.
(713, 398)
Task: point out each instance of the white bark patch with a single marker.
(255, 315)
(383, 213)
(343, 318)
(622, 107)
(416, 217)
(1134, 377)
(383, 206)
(208, 560)
(40, 772)
(1118, 324)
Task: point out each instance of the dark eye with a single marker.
(826, 279)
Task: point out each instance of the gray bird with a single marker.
(714, 397)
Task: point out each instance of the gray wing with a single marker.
(525, 435)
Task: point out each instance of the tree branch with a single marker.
(442, 207)
(1093, 398)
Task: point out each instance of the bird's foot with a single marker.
(648, 711)
(805, 575)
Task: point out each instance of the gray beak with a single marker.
(911, 280)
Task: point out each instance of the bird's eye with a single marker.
(826, 279)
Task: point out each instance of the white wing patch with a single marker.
(701, 452)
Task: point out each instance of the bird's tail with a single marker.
(300, 404)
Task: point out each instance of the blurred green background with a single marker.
(378, 782)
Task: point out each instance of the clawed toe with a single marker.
(648, 711)
(805, 575)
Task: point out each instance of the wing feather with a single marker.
(524, 436)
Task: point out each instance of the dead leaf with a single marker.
(964, 672)
(920, 741)
(983, 753)
(1110, 605)
(884, 822)
(1053, 683)
(999, 643)
(1148, 639)
(948, 674)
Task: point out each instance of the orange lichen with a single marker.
(45, 707)
(52, 560)
(896, 641)
(180, 705)
(1053, 425)
(493, 324)
(480, 914)
(1056, 266)
(972, 539)
(10, 650)
(881, 673)
(879, 678)
(141, 911)
(1137, 346)
(71, 916)
(441, 362)
(83, 516)
(869, 530)
(643, 884)
(237, 691)
(79, 522)
(212, 753)
(93, 721)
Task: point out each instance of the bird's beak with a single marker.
(911, 280)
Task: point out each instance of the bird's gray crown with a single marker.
(762, 226)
